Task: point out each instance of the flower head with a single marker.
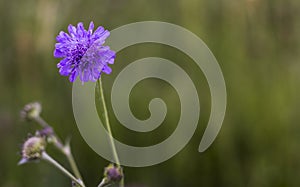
(31, 111)
(32, 149)
(113, 173)
(83, 53)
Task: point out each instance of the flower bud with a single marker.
(32, 149)
(113, 173)
(45, 132)
(31, 111)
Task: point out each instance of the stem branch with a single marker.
(41, 121)
(49, 159)
(69, 155)
(65, 149)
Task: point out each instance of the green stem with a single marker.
(70, 157)
(41, 121)
(103, 183)
(49, 159)
(111, 139)
(65, 149)
(44, 124)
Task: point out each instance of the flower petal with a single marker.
(72, 30)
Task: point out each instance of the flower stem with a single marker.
(49, 159)
(57, 142)
(41, 121)
(103, 183)
(65, 149)
(69, 155)
(111, 139)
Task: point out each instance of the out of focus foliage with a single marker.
(256, 43)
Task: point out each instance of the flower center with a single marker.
(78, 52)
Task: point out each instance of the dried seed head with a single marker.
(32, 149)
(31, 111)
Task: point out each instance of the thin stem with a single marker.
(57, 142)
(69, 155)
(41, 121)
(111, 139)
(103, 183)
(49, 159)
(65, 149)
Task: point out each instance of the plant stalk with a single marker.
(71, 160)
(49, 159)
(107, 123)
(65, 149)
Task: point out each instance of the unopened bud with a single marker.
(31, 111)
(113, 173)
(45, 132)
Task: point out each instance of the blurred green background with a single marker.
(256, 43)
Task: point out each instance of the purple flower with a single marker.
(113, 173)
(83, 53)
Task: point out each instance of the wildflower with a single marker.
(83, 53)
(32, 149)
(31, 111)
(113, 173)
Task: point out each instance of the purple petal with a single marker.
(99, 30)
(23, 161)
(63, 62)
(62, 37)
(100, 34)
(80, 30)
(73, 76)
(58, 54)
(85, 75)
(72, 30)
(111, 60)
(65, 70)
(91, 28)
(106, 70)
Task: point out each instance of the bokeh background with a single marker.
(256, 43)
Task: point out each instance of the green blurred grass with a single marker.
(257, 46)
